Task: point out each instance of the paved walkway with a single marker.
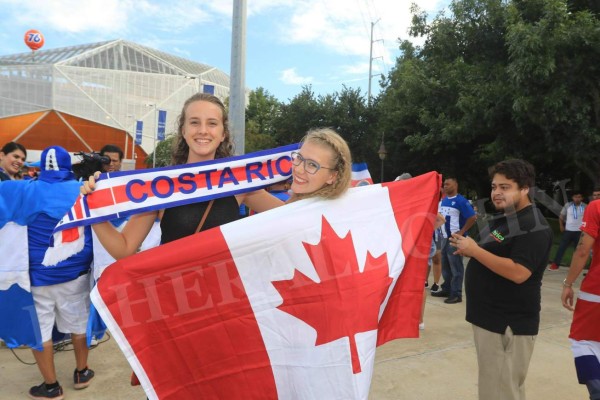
(439, 365)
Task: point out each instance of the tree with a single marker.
(263, 109)
(163, 152)
(555, 54)
(297, 117)
(449, 98)
(352, 118)
(493, 80)
(346, 112)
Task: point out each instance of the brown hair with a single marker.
(520, 171)
(342, 162)
(12, 146)
(180, 151)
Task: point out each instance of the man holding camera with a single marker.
(115, 154)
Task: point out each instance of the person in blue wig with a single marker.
(59, 294)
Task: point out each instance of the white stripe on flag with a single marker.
(593, 298)
(14, 257)
(122, 342)
(585, 348)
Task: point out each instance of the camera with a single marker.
(90, 163)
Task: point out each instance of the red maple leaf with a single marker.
(345, 302)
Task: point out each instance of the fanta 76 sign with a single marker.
(34, 39)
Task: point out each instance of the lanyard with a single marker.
(575, 210)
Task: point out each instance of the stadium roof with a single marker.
(113, 84)
(118, 55)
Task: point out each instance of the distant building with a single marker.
(83, 97)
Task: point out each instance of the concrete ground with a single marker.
(439, 365)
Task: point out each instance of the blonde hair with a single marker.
(181, 150)
(342, 162)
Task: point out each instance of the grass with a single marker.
(566, 260)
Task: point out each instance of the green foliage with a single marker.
(301, 114)
(346, 112)
(449, 97)
(493, 79)
(163, 152)
(554, 68)
(263, 108)
(255, 140)
(496, 79)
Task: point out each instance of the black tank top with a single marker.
(181, 221)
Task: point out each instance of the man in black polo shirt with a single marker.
(503, 282)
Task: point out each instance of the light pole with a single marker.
(382, 154)
(371, 58)
(237, 81)
(153, 105)
(132, 137)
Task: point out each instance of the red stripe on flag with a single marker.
(100, 198)
(200, 320)
(70, 235)
(120, 194)
(77, 211)
(585, 321)
(403, 311)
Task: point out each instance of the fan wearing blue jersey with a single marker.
(60, 292)
(460, 217)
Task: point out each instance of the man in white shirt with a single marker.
(570, 221)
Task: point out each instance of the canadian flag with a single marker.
(289, 303)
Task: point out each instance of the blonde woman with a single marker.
(322, 167)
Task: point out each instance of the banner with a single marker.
(288, 303)
(210, 89)
(124, 193)
(139, 127)
(162, 122)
